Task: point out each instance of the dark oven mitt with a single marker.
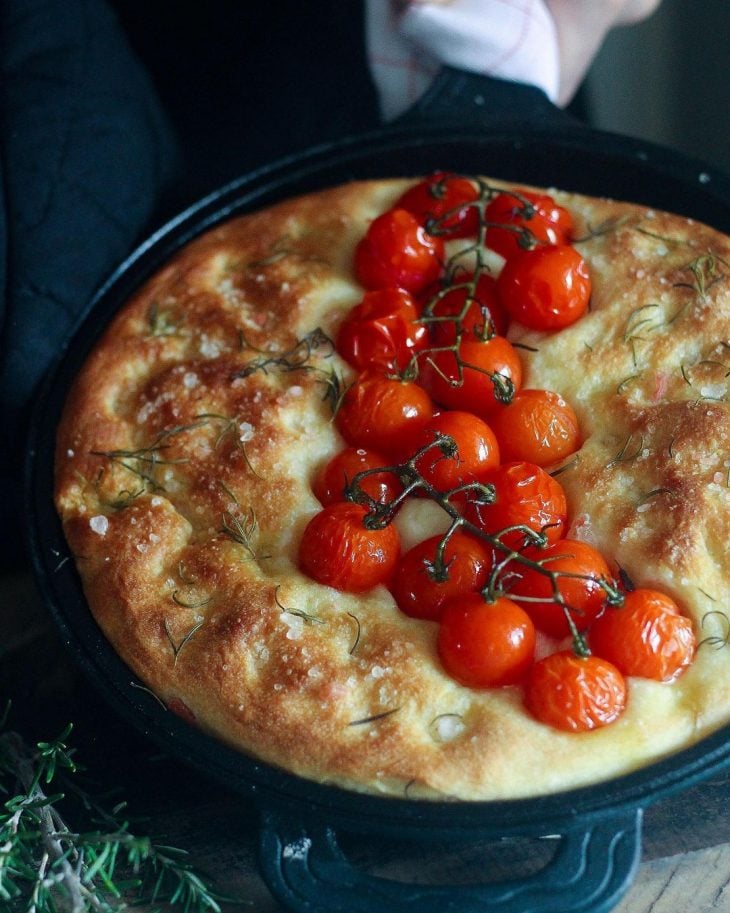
(86, 152)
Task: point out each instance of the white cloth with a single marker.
(408, 42)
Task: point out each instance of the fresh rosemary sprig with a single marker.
(49, 864)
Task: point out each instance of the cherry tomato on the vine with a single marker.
(546, 221)
(337, 549)
(442, 193)
(647, 636)
(398, 251)
(383, 413)
(476, 378)
(545, 289)
(421, 588)
(333, 478)
(525, 495)
(485, 645)
(580, 567)
(476, 450)
(575, 693)
(381, 332)
(479, 314)
(538, 426)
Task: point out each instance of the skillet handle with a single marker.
(591, 870)
(462, 99)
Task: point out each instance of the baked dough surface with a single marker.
(184, 461)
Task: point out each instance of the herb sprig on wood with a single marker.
(50, 864)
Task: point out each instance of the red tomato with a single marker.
(418, 589)
(398, 251)
(381, 332)
(337, 549)
(484, 374)
(546, 222)
(538, 426)
(545, 289)
(485, 645)
(647, 636)
(583, 594)
(383, 413)
(331, 481)
(525, 495)
(478, 316)
(575, 693)
(440, 194)
(477, 450)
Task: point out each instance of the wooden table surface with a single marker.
(686, 838)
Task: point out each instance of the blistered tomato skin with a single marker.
(332, 480)
(575, 693)
(398, 251)
(479, 315)
(338, 550)
(485, 645)
(548, 288)
(383, 413)
(478, 379)
(525, 495)
(544, 219)
(382, 332)
(476, 450)
(584, 569)
(647, 637)
(441, 194)
(538, 426)
(418, 588)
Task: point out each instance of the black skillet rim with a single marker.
(523, 152)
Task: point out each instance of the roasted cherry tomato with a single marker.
(479, 314)
(485, 645)
(422, 587)
(575, 693)
(381, 332)
(383, 413)
(580, 569)
(538, 214)
(398, 252)
(331, 481)
(538, 426)
(442, 194)
(525, 495)
(648, 636)
(545, 289)
(338, 549)
(478, 380)
(476, 450)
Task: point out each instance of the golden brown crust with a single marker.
(184, 462)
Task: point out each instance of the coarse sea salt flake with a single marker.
(191, 380)
(448, 727)
(246, 432)
(209, 348)
(714, 391)
(99, 524)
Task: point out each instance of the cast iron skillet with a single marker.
(600, 826)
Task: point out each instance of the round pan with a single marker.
(600, 824)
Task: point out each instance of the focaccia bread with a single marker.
(184, 466)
